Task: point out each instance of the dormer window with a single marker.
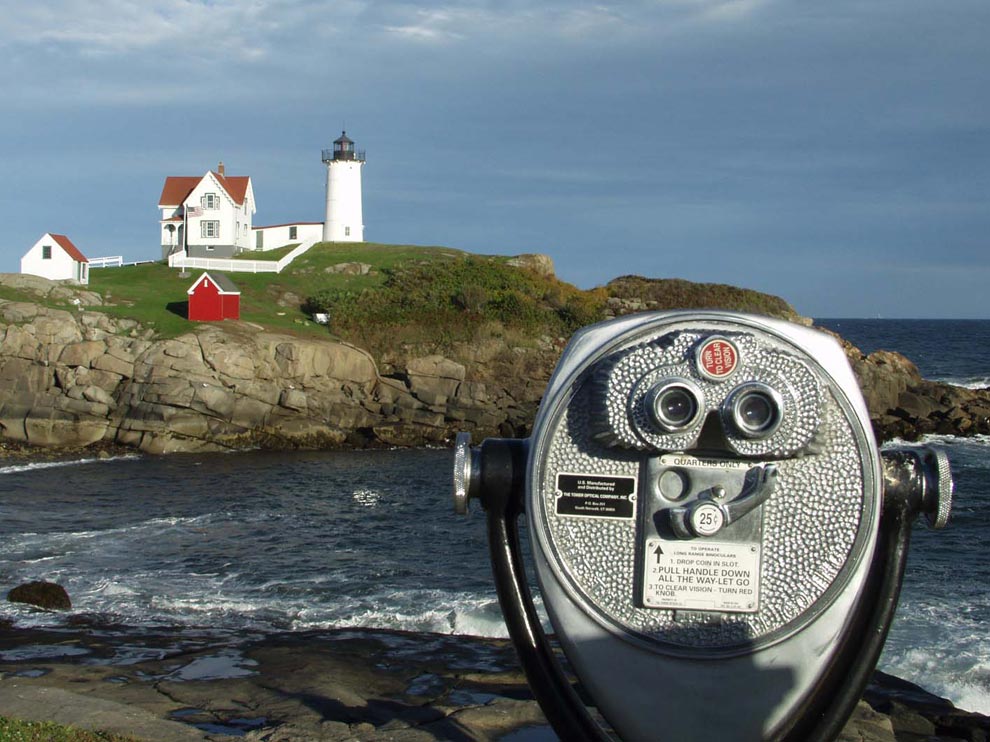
(210, 201)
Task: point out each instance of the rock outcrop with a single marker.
(46, 595)
(904, 405)
(74, 378)
(344, 684)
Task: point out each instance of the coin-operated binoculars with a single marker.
(718, 541)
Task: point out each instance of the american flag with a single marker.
(193, 211)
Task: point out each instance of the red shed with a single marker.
(214, 297)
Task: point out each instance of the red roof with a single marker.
(66, 244)
(220, 280)
(178, 187)
(235, 185)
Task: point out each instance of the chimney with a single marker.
(220, 169)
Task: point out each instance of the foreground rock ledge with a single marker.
(336, 685)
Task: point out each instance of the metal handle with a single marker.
(707, 515)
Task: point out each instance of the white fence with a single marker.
(114, 261)
(229, 265)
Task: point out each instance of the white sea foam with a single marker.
(938, 439)
(960, 676)
(972, 697)
(215, 602)
(114, 590)
(433, 611)
(39, 465)
(61, 541)
(968, 382)
(366, 497)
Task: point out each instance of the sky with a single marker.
(836, 154)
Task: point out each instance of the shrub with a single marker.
(453, 299)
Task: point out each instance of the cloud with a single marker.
(729, 10)
(119, 27)
(133, 52)
(548, 22)
(434, 25)
(241, 27)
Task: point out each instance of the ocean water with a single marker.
(291, 541)
(953, 351)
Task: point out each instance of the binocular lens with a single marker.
(755, 410)
(673, 405)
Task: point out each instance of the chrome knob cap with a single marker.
(462, 472)
(939, 501)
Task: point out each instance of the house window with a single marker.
(209, 228)
(292, 233)
(259, 240)
(210, 201)
(46, 252)
(347, 231)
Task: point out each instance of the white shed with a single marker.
(56, 258)
(279, 235)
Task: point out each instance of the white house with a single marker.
(55, 257)
(280, 235)
(208, 216)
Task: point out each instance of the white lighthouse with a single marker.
(344, 222)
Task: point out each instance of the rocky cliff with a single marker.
(78, 377)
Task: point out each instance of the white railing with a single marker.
(114, 261)
(179, 260)
(229, 265)
(295, 253)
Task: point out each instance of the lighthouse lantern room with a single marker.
(344, 220)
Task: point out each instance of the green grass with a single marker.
(154, 294)
(14, 730)
(150, 293)
(411, 295)
(11, 294)
(272, 255)
(454, 298)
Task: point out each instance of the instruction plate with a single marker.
(596, 495)
(702, 575)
